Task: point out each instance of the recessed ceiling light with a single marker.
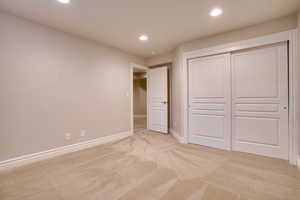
(216, 12)
(143, 37)
(64, 1)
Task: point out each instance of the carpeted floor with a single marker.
(140, 123)
(153, 166)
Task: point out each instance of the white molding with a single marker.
(140, 116)
(148, 104)
(290, 36)
(131, 98)
(179, 138)
(31, 158)
(293, 64)
(240, 45)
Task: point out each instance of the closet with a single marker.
(239, 101)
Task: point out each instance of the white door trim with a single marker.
(291, 37)
(132, 66)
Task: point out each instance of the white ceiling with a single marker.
(168, 23)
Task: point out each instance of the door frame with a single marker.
(291, 37)
(136, 66)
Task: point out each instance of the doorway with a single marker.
(138, 82)
(140, 99)
(149, 99)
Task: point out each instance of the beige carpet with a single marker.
(140, 123)
(152, 166)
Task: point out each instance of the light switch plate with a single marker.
(68, 136)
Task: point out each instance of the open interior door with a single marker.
(158, 99)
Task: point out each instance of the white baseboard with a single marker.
(31, 158)
(179, 138)
(298, 163)
(140, 116)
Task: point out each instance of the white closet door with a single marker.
(210, 101)
(260, 101)
(158, 99)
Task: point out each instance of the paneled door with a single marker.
(260, 101)
(158, 99)
(210, 101)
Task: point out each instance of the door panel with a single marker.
(260, 100)
(257, 130)
(250, 71)
(158, 99)
(210, 101)
(208, 126)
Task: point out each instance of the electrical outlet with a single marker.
(68, 136)
(83, 133)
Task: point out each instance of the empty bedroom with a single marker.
(150, 100)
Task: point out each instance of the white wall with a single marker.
(160, 59)
(278, 25)
(274, 26)
(52, 83)
(176, 88)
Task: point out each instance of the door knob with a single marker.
(164, 102)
